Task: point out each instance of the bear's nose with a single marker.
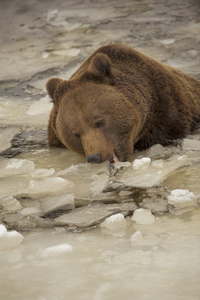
(94, 158)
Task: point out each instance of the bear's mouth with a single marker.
(114, 158)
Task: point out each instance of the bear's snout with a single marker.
(96, 146)
(94, 158)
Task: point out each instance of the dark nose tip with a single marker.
(94, 158)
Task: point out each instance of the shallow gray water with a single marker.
(54, 198)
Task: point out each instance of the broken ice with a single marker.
(143, 216)
(182, 198)
(43, 106)
(115, 224)
(141, 163)
(52, 185)
(53, 203)
(9, 239)
(42, 172)
(14, 166)
(191, 145)
(11, 204)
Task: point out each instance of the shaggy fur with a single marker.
(120, 99)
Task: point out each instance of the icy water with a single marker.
(71, 230)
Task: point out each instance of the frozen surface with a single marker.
(146, 263)
(80, 241)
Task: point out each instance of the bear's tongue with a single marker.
(114, 158)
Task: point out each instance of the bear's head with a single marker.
(91, 114)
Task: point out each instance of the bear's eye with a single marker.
(77, 135)
(99, 123)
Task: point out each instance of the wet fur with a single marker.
(155, 103)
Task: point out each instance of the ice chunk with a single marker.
(125, 194)
(119, 164)
(137, 238)
(155, 204)
(99, 183)
(15, 166)
(52, 14)
(6, 135)
(29, 211)
(9, 239)
(42, 172)
(52, 185)
(143, 216)
(148, 177)
(182, 198)
(3, 230)
(58, 250)
(63, 202)
(115, 222)
(11, 204)
(158, 163)
(190, 144)
(149, 240)
(43, 106)
(45, 54)
(91, 215)
(182, 157)
(141, 163)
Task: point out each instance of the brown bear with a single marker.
(120, 99)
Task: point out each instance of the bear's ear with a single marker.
(52, 85)
(100, 65)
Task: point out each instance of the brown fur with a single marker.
(120, 99)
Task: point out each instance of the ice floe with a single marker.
(15, 166)
(51, 185)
